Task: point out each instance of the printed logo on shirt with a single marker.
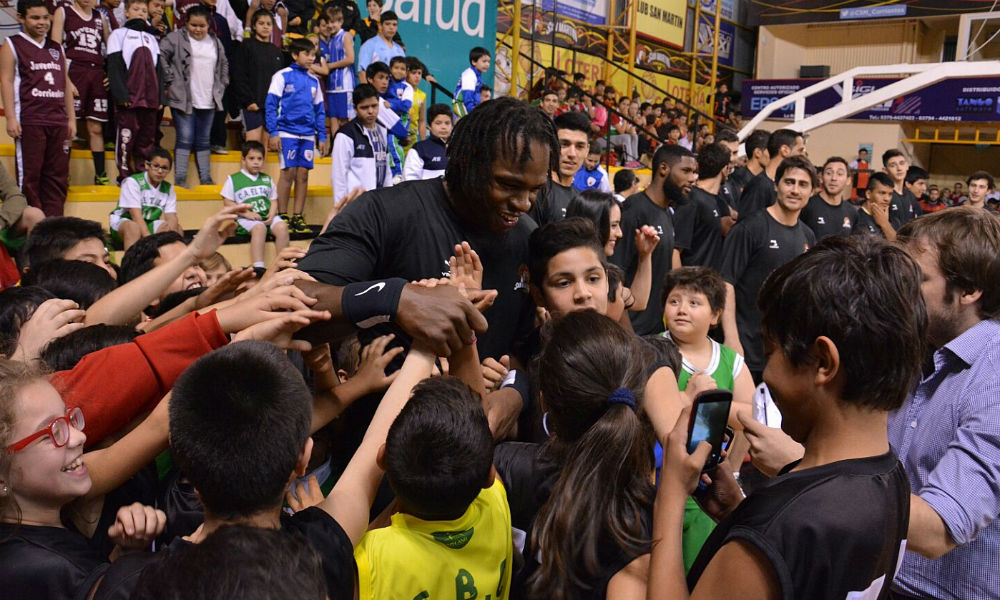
(847, 222)
(715, 213)
(773, 245)
(436, 159)
(820, 221)
(289, 88)
(591, 181)
(659, 230)
(522, 278)
(54, 54)
(805, 247)
(307, 154)
(456, 540)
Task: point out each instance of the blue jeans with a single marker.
(193, 128)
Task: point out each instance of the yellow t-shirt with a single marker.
(470, 557)
(419, 100)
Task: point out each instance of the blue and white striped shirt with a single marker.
(947, 435)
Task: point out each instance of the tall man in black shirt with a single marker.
(755, 147)
(573, 130)
(827, 213)
(698, 222)
(901, 209)
(674, 173)
(757, 245)
(499, 158)
(759, 193)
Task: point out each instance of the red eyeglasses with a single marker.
(58, 430)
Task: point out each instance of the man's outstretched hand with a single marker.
(439, 317)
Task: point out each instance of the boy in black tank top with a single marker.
(833, 524)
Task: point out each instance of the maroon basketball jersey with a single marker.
(39, 81)
(83, 38)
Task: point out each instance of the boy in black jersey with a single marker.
(758, 244)
(833, 524)
(827, 212)
(875, 217)
(574, 143)
(901, 208)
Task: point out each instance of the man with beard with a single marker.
(499, 158)
(572, 130)
(699, 220)
(758, 244)
(827, 213)
(674, 173)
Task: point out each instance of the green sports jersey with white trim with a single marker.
(723, 367)
(138, 192)
(256, 192)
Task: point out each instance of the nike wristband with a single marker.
(369, 303)
(519, 381)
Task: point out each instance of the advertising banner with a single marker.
(956, 100)
(777, 12)
(441, 33)
(706, 38)
(662, 20)
(594, 12)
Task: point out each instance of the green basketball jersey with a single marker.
(723, 367)
(256, 192)
(154, 202)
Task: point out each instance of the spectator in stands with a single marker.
(369, 26)
(360, 156)
(279, 18)
(338, 48)
(147, 203)
(626, 184)
(77, 27)
(470, 83)
(591, 175)
(196, 74)
(427, 159)
(158, 21)
(350, 12)
(381, 48)
(549, 103)
(379, 76)
(722, 100)
(485, 93)
(257, 60)
(39, 111)
(862, 170)
(957, 196)
(108, 8)
(980, 184)
(295, 120)
(827, 212)
(135, 76)
(933, 201)
(257, 190)
(873, 216)
(555, 196)
(418, 121)
(901, 207)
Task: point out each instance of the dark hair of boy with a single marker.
(53, 236)
(140, 256)
(332, 12)
(297, 45)
(915, 174)
(24, 5)
(559, 236)
(239, 418)
(413, 63)
(259, 14)
(396, 60)
(63, 353)
(834, 160)
(363, 92)
(578, 77)
(17, 304)
(797, 162)
(957, 234)
(250, 146)
(670, 128)
(616, 277)
(513, 125)
(756, 141)
(349, 355)
(476, 53)
(890, 154)
(377, 67)
(388, 15)
(573, 121)
(712, 159)
(236, 561)
(439, 450)
(129, 3)
(585, 359)
(436, 110)
(172, 301)
(159, 151)
(485, 88)
(704, 280)
(549, 92)
(990, 182)
(76, 280)
(853, 290)
(726, 134)
(623, 180)
(879, 178)
(598, 82)
(200, 10)
(663, 352)
(596, 207)
(781, 137)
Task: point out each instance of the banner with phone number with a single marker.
(975, 100)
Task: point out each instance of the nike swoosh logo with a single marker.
(376, 286)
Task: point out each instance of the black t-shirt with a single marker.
(754, 248)
(758, 194)
(865, 225)
(551, 204)
(901, 209)
(323, 533)
(47, 562)
(529, 472)
(827, 531)
(410, 231)
(739, 179)
(639, 210)
(698, 225)
(826, 220)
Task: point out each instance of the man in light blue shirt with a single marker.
(380, 48)
(947, 433)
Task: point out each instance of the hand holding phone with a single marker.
(709, 416)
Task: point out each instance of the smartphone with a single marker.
(709, 417)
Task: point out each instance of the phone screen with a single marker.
(708, 422)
